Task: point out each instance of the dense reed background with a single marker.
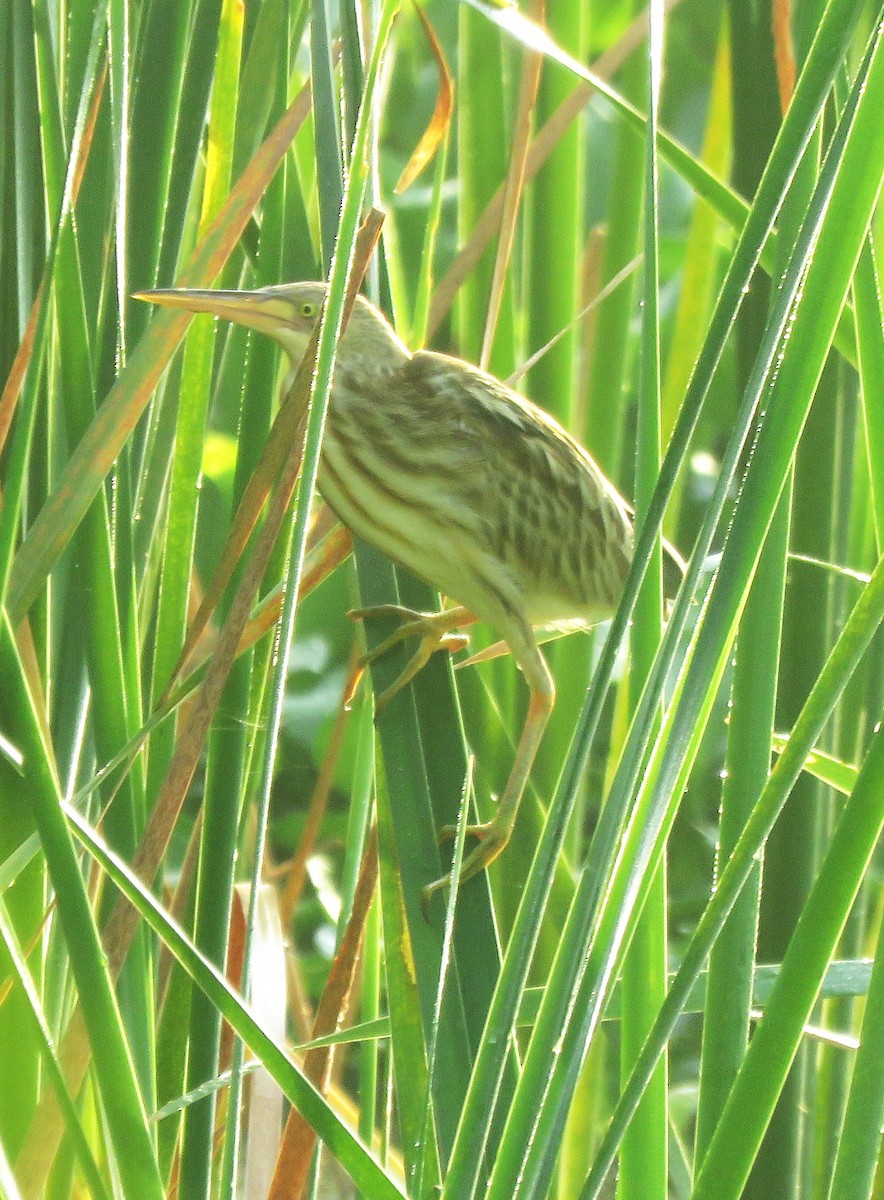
(706, 809)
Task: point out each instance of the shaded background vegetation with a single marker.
(239, 144)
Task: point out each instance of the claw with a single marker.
(427, 893)
(493, 837)
(433, 629)
(427, 647)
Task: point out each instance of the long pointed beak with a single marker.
(257, 310)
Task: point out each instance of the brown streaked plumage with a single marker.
(465, 482)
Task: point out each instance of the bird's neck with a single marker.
(370, 373)
(367, 375)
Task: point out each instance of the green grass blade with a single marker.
(797, 128)
(860, 1136)
(126, 1118)
(226, 749)
(95, 453)
(859, 629)
(870, 356)
(644, 1168)
(354, 1157)
(85, 1157)
(775, 1041)
(729, 989)
(823, 264)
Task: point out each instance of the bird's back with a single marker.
(476, 490)
(547, 505)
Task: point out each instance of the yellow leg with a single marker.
(433, 629)
(493, 835)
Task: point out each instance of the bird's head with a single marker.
(288, 312)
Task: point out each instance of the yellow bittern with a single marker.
(468, 484)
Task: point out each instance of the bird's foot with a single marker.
(492, 836)
(435, 631)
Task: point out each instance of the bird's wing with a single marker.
(546, 509)
(522, 438)
(542, 449)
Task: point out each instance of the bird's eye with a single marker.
(308, 309)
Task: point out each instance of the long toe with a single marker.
(492, 839)
(487, 829)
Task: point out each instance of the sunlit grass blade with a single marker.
(225, 762)
(870, 354)
(853, 643)
(644, 1159)
(354, 1157)
(96, 452)
(74, 1125)
(844, 200)
(490, 1036)
(860, 1136)
(775, 1040)
(798, 126)
(126, 1117)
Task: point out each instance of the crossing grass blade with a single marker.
(109, 151)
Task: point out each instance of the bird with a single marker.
(467, 483)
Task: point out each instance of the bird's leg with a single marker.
(433, 629)
(493, 835)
